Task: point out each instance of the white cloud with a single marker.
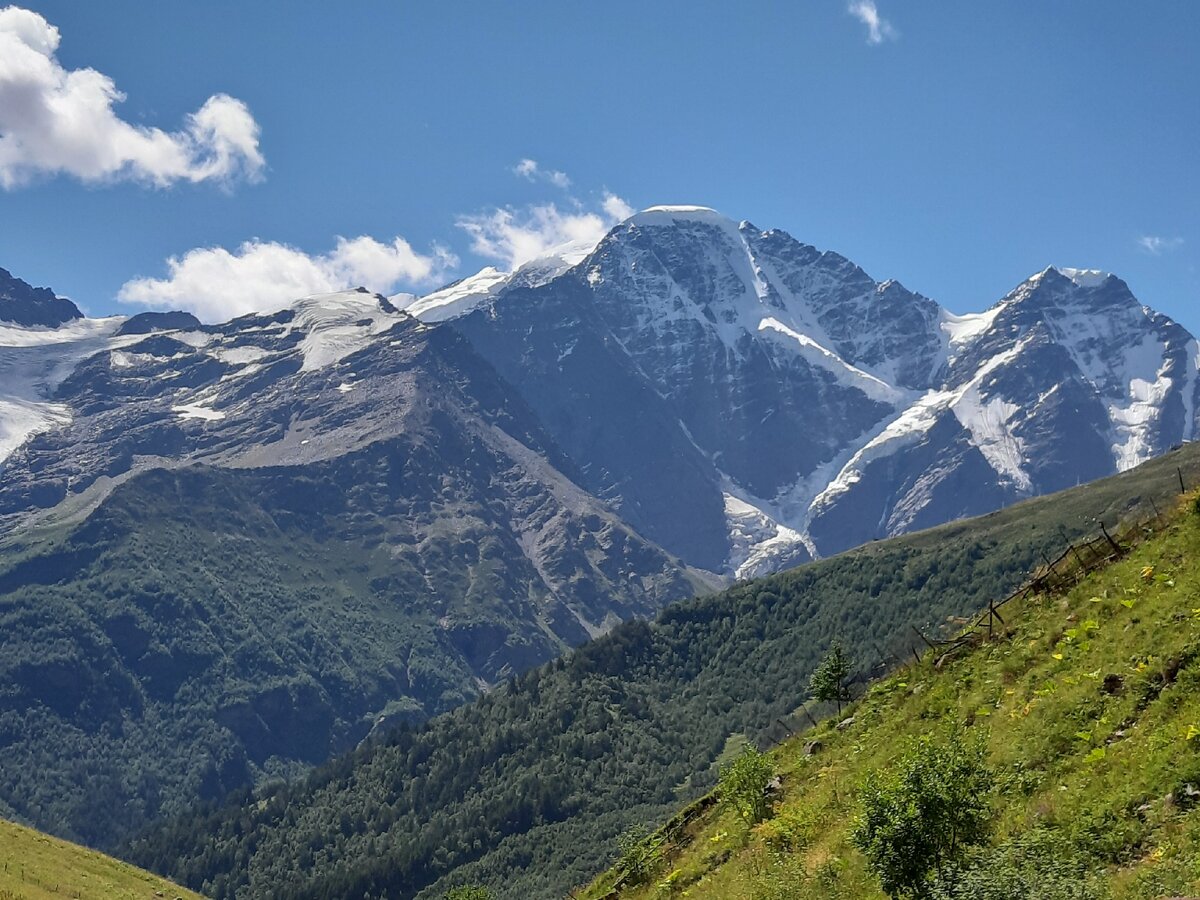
(515, 237)
(616, 208)
(531, 170)
(261, 276)
(1157, 246)
(879, 29)
(61, 121)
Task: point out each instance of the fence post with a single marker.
(1116, 548)
(917, 631)
(1078, 559)
(1179, 472)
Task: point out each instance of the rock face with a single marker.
(748, 401)
(22, 304)
(739, 398)
(243, 547)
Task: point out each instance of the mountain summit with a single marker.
(22, 304)
(748, 400)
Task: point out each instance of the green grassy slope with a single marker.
(1089, 705)
(526, 789)
(35, 866)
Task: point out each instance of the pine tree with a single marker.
(828, 681)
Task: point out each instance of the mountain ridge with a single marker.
(694, 306)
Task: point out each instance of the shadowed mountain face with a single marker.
(784, 405)
(21, 304)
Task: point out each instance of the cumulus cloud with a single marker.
(56, 121)
(879, 29)
(531, 170)
(515, 237)
(1156, 245)
(261, 276)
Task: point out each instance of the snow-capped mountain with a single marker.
(739, 398)
(747, 400)
(266, 537)
(89, 404)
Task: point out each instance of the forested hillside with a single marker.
(207, 627)
(527, 788)
(1067, 740)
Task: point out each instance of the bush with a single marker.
(637, 855)
(919, 820)
(1035, 866)
(744, 782)
(470, 892)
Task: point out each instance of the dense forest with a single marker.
(528, 787)
(206, 628)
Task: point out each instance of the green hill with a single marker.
(35, 866)
(1087, 707)
(207, 628)
(527, 789)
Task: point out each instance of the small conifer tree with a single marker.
(829, 681)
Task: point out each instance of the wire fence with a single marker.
(1054, 575)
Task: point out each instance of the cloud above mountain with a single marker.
(59, 121)
(1157, 245)
(218, 284)
(259, 276)
(532, 170)
(513, 237)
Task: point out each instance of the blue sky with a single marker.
(966, 147)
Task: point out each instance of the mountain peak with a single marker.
(23, 304)
(669, 215)
(1085, 278)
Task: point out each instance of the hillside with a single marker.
(206, 628)
(1087, 706)
(201, 623)
(35, 866)
(526, 789)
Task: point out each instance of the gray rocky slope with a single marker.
(749, 401)
(739, 398)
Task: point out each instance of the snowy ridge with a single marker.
(1085, 277)
(819, 407)
(458, 298)
(336, 325)
(873, 387)
(33, 362)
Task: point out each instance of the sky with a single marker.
(226, 156)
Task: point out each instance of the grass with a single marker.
(35, 866)
(1089, 709)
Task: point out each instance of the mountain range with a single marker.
(231, 550)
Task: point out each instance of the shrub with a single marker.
(470, 892)
(1036, 866)
(919, 820)
(637, 854)
(744, 782)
